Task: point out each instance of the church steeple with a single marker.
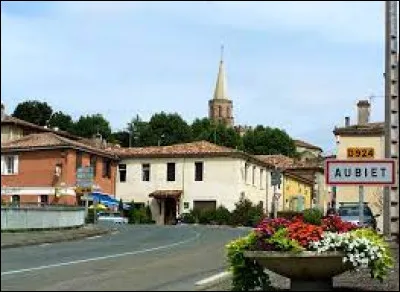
(220, 87)
(220, 107)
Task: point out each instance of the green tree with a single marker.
(90, 125)
(267, 141)
(62, 121)
(120, 137)
(33, 111)
(140, 133)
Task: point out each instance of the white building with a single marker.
(174, 179)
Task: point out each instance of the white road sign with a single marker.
(360, 172)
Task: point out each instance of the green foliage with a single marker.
(140, 216)
(222, 216)
(379, 267)
(288, 214)
(281, 241)
(33, 111)
(313, 216)
(90, 125)
(246, 214)
(265, 140)
(188, 218)
(206, 216)
(247, 274)
(90, 216)
(62, 121)
(121, 138)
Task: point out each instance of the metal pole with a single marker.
(275, 203)
(361, 205)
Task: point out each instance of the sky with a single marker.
(298, 66)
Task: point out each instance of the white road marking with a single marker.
(44, 244)
(93, 237)
(101, 258)
(213, 279)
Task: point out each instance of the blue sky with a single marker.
(299, 66)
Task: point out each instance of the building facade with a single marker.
(297, 192)
(362, 134)
(41, 169)
(175, 179)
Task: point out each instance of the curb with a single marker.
(212, 281)
(57, 239)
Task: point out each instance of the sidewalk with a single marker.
(18, 239)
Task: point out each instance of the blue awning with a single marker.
(105, 199)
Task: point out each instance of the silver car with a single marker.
(349, 212)
(112, 217)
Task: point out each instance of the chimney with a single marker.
(2, 112)
(98, 140)
(346, 121)
(363, 107)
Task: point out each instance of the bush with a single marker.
(246, 214)
(223, 216)
(140, 216)
(90, 216)
(288, 214)
(313, 216)
(207, 217)
(188, 218)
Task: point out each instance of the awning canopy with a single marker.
(164, 194)
(105, 199)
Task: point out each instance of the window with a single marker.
(106, 167)
(78, 159)
(246, 172)
(146, 172)
(198, 176)
(254, 176)
(15, 200)
(93, 163)
(171, 171)
(122, 172)
(44, 199)
(186, 205)
(9, 164)
(261, 178)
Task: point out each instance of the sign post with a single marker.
(276, 179)
(360, 173)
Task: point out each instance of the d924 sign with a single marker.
(360, 152)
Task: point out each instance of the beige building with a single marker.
(363, 134)
(307, 151)
(175, 179)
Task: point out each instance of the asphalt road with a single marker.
(146, 258)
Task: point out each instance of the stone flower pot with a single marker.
(308, 270)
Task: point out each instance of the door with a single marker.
(170, 211)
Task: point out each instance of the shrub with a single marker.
(313, 216)
(141, 216)
(222, 216)
(288, 214)
(188, 218)
(207, 217)
(246, 214)
(90, 216)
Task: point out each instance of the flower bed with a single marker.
(360, 247)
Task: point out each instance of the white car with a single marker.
(114, 217)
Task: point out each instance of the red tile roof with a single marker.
(300, 143)
(161, 194)
(370, 129)
(49, 141)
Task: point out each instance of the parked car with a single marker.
(349, 212)
(113, 217)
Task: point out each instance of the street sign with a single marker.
(360, 152)
(360, 172)
(277, 196)
(276, 178)
(84, 176)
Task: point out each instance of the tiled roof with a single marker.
(368, 129)
(48, 140)
(15, 121)
(159, 194)
(193, 148)
(299, 177)
(280, 161)
(304, 144)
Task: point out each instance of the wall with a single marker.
(373, 195)
(222, 182)
(10, 132)
(41, 218)
(293, 187)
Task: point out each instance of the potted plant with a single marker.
(310, 254)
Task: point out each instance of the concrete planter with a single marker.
(308, 270)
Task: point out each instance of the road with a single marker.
(138, 257)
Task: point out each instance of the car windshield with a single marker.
(353, 211)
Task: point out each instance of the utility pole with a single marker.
(391, 194)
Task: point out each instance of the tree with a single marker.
(62, 121)
(218, 133)
(33, 111)
(267, 141)
(90, 125)
(120, 137)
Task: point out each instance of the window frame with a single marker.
(171, 172)
(146, 168)
(121, 171)
(199, 175)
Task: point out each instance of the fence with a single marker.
(31, 217)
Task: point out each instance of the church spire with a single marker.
(220, 86)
